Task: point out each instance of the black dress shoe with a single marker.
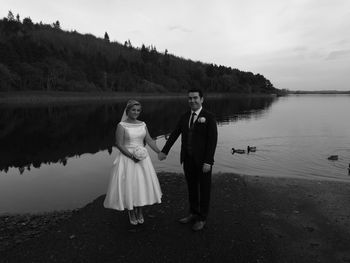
(199, 225)
(187, 219)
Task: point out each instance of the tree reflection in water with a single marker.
(32, 136)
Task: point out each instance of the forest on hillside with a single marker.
(43, 57)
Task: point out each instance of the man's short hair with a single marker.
(200, 92)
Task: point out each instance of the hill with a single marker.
(43, 57)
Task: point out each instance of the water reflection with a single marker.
(234, 109)
(30, 137)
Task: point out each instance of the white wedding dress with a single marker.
(132, 184)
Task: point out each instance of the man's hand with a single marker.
(206, 168)
(161, 156)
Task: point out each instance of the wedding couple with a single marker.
(134, 183)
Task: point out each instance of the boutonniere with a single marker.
(201, 120)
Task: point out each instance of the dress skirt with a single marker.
(132, 184)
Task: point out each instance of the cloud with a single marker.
(179, 28)
(300, 48)
(338, 54)
(343, 42)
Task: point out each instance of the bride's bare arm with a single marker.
(151, 142)
(119, 141)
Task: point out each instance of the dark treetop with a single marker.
(43, 57)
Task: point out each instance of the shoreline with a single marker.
(43, 98)
(252, 219)
(311, 180)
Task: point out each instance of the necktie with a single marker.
(192, 119)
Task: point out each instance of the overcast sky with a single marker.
(297, 44)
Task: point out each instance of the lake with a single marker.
(60, 157)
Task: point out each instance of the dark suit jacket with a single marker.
(204, 139)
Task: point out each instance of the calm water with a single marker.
(60, 157)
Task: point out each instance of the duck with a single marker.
(251, 149)
(333, 157)
(240, 151)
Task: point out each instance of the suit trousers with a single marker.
(199, 187)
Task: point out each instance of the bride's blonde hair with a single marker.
(130, 104)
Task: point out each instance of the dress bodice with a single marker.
(134, 134)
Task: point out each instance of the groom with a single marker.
(198, 142)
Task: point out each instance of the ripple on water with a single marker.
(292, 156)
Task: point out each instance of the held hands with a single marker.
(161, 156)
(206, 168)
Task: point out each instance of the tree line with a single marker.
(43, 57)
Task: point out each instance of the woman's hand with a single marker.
(206, 168)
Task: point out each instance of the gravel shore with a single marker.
(252, 219)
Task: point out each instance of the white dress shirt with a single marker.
(195, 116)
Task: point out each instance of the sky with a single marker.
(296, 44)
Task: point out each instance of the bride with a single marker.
(133, 182)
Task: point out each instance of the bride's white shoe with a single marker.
(139, 216)
(132, 217)
(140, 219)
